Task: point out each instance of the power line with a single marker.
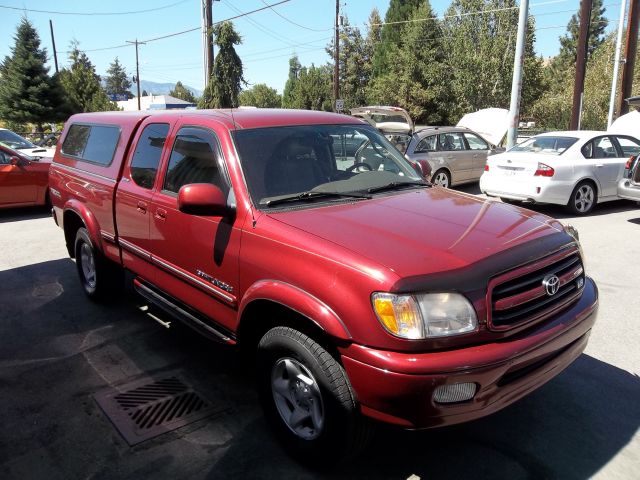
(296, 24)
(262, 28)
(93, 13)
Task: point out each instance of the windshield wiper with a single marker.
(311, 195)
(397, 185)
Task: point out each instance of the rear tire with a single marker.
(583, 198)
(308, 400)
(441, 178)
(99, 277)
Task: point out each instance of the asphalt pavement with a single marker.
(59, 349)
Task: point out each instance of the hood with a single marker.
(423, 231)
(385, 119)
(491, 123)
(627, 124)
(38, 151)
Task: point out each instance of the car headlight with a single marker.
(427, 315)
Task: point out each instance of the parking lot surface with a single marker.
(59, 349)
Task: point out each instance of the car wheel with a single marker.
(307, 398)
(441, 178)
(583, 198)
(98, 276)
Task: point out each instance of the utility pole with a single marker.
(581, 63)
(336, 58)
(207, 39)
(136, 43)
(53, 43)
(516, 82)
(630, 55)
(616, 64)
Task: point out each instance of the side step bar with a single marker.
(179, 313)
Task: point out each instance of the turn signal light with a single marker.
(544, 171)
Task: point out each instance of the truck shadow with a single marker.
(55, 340)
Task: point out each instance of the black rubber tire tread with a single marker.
(109, 276)
(347, 436)
(441, 170)
(571, 204)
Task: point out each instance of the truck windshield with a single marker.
(282, 162)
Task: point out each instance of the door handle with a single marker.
(599, 165)
(161, 214)
(142, 207)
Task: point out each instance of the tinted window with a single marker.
(146, 158)
(629, 146)
(93, 143)
(475, 142)
(427, 144)
(194, 159)
(599, 148)
(451, 141)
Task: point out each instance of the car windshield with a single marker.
(548, 145)
(311, 163)
(13, 140)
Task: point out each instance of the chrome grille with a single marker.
(523, 295)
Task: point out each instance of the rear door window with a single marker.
(92, 143)
(146, 158)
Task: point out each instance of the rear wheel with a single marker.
(441, 178)
(583, 198)
(98, 276)
(307, 398)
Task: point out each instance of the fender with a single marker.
(298, 300)
(88, 218)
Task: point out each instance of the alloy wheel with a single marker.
(583, 198)
(297, 398)
(88, 264)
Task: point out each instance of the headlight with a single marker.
(427, 315)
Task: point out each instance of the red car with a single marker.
(24, 180)
(357, 289)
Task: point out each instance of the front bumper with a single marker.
(398, 388)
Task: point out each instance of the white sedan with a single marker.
(577, 169)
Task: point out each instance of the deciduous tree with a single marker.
(262, 96)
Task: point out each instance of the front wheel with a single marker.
(307, 398)
(583, 198)
(441, 178)
(98, 276)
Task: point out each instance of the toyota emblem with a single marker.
(551, 283)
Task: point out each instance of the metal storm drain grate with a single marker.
(147, 408)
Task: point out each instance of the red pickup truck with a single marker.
(308, 240)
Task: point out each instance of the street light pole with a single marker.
(516, 82)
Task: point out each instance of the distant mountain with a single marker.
(156, 88)
(161, 88)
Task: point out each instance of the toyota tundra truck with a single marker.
(360, 292)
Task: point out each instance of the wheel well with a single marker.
(261, 316)
(72, 222)
(592, 182)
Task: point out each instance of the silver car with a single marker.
(456, 154)
(629, 184)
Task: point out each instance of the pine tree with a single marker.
(183, 93)
(82, 84)
(597, 26)
(225, 84)
(27, 92)
(288, 95)
(117, 81)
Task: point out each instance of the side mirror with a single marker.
(203, 199)
(15, 161)
(423, 168)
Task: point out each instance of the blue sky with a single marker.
(268, 38)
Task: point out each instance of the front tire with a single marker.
(98, 276)
(307, 399)
(441, 178)
(583, 198)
